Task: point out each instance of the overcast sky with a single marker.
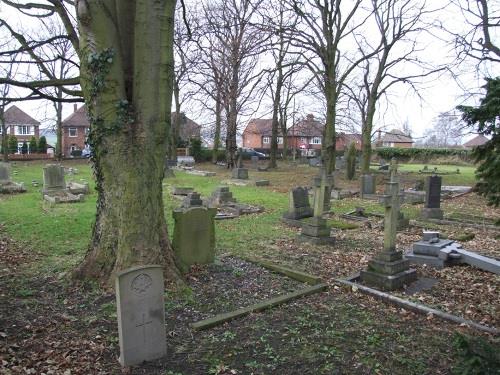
(440, 94)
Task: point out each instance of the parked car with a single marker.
(247, 153)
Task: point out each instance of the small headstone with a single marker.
(54, 186)
(367, 182)
(240, 173)
(194, 236)
(141, 315)
(432, 203)
(255, 162)
(6, 185)
(4, 172)
(298, 204)
(220, 197)
(192, 200)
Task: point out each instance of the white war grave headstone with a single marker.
(141, 314)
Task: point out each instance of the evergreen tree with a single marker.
(42, 145)
(12, 144)
(24, 148)
(351, 161)
(195, 149)
(486, 117)
(33, 145)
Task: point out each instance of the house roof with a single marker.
(345, 139)
(188, 129)
(77, 118)
(478, 140)
(307, 127)
(396, 136)
(14, 115)
(261, 126)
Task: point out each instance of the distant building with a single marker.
(188, 129)
(75, 130)
(478, 140)
(305, 134)
(394, 138)
(21, 125)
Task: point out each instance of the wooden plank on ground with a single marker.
(225, 317)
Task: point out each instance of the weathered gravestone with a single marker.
(141, 315)
(298, 204)
(192, 200)
(315, 230)
(77, 188)
(367, 185)
(240, 173)
(6, 185)
(54, 186)
(432, 203)
(389, 270)
(194, 236)
(402, 222)
(220, 196)
(255, 161)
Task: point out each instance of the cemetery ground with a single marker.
(51, 325)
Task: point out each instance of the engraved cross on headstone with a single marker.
(321, 186)
(391, 201)
(143, 324)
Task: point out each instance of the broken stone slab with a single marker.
(414, 196)
(182, 190)
(63, 197)
(262, 183)
(76, 188)
(201, 173)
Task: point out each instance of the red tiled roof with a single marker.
(396, 136)
(260, 126)
(14, 116)
(479, 140)
(77, 118)
(307, 127)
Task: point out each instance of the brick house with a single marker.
(394, 138)
(21, 125)
(478, 140)
(305, 134)
(75, 129)
(188, 129)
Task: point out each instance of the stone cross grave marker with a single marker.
(322, 192)
(393, 170)
(432, 203)
(141, 314)
(389, 270)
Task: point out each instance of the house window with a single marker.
(23, 130)
(280, 140)
(316, 140)
(73, 148)
(72, 132)
(266, 140)
(19, 147)
(87, 131)
(303, 140)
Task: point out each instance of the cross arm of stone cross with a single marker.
(386, 200)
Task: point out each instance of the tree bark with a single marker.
(5, 138)
(127, 78)
(59, 131)
(218, 120)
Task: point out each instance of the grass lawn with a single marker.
(465, 177)
(339, 331)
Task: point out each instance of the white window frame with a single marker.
(266, 140)
(73, 147)
(280, 140)
(20, 147)
(76, 132)
(24, 130)
(316, 140)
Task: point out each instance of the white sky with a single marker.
(439, 95)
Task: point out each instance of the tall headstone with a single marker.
(315, 230)
(432, 203)
(194, 236)
(388, 270)
(367, 185)
(255, 162)
(298, 204)
(6, 185)
(141, 315)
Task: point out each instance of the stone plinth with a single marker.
(192, 200)
(432, 213)
(315, 231)
(220, 196)
(262, 183)
(194, 236)
(240, 173)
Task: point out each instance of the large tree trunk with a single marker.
(275, 121)
(176, 125)
(59, 131)
(329, 138)
(127, 71)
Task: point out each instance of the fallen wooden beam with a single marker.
(225, 317)
(415, 307)
(294, 274)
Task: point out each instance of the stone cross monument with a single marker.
(389, 270)
(393, 170)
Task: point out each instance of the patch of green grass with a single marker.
(465, 177)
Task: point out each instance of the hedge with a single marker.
(423, 154)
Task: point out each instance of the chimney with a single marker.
(75, 107)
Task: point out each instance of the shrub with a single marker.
(76, 153)
(12, 144)
(33, 145)
(24, 148)
(351, 161)
(42, 145)
(195, 149)
(476, 356)
(421, 154)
